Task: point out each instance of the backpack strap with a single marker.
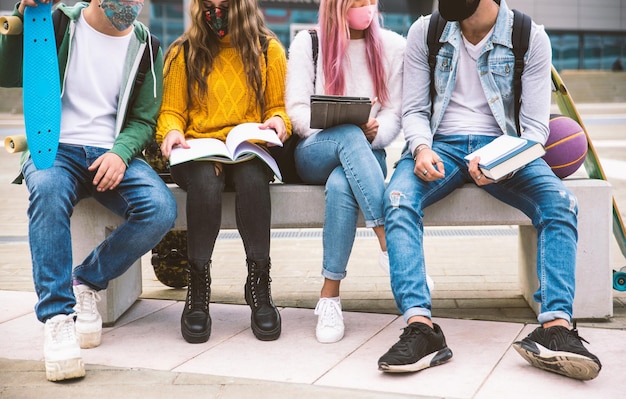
(520, 38)
(315, 52)
(59, 22)
(144, 66)
(435, 29)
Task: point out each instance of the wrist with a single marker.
(418, 149)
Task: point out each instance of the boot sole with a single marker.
(195, 338)
(565, 363)
(434, 359)
(65, 369)
(263, 335)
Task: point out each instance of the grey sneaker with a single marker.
(88, 319)
(61, 350)
(419, 347)
(560, 350)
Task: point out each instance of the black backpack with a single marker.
(60, 22)
(520, 39)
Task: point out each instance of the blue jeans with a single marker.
(142, 199)
(354, 174)
(535, 190)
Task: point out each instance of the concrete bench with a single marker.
(468, 206)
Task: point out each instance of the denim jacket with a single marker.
(495, 67)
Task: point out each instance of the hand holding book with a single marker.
(505, 155)
(240, 145)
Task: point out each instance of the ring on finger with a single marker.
(480, 176)
(425, 172)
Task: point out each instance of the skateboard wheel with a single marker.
(15, 143)
(619, 280)
(10, 25)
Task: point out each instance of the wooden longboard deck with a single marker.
(592, 161)
(41, 86)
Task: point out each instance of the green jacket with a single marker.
(136, 124)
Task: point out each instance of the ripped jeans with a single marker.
(534, 190)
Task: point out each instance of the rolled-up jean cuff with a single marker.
(374, 223)
(415, 312)
(333, 276)
(551, 316)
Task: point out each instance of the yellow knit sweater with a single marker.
(229, 100)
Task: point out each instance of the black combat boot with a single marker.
(265, 317)
(195, 322)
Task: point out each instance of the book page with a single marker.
(498, 148)
(246, 148)
(249, 132)
(199, 148)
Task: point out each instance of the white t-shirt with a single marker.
(92, 85)
(468, 104)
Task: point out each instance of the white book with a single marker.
(239, 146)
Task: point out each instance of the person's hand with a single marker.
(174, 138)
(278, 124)
(370, 129)
(428, 165)
(476, 174)
(30, 3)
(110, 169)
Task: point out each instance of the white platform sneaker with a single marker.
(61, 350)
(88, 320)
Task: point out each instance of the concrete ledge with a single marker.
(302, 206)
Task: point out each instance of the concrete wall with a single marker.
(588, 15)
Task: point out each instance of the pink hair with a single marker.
(334, 38)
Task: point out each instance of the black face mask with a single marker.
(457, 10)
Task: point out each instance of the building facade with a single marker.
(585, 34)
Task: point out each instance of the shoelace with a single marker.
(408, 337)
(88, 301)
(574, 332)
(63, 331)
(329, 310)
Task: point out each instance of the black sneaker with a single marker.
(419, 347)
(560, 350)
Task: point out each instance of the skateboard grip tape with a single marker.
(15, 143)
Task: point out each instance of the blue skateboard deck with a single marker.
(41, 86)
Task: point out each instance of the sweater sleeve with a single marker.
(275, 84)
(173, 114)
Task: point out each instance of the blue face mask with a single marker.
(121, 13)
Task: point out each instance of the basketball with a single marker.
(566, 147)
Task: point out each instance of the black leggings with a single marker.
(250, 181)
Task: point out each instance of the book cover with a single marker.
(506, 154)
(328, 111)
(240, 145)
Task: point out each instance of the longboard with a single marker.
(593, 168)
(41, 87)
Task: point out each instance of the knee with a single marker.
(162, 209)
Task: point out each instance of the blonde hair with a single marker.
(245, 26)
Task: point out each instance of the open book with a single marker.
(237, 148)
(506, 154)
(328, 111)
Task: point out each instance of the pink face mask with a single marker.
(360, 18)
